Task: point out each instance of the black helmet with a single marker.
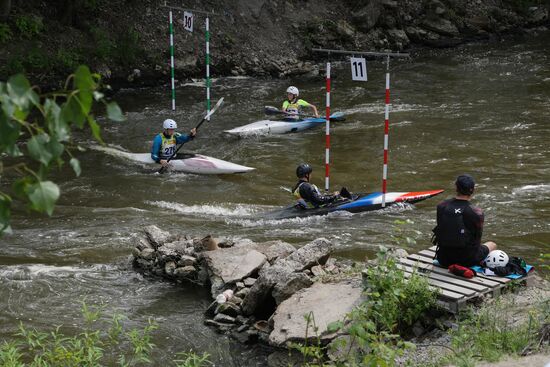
(303, 169)
(465, 184)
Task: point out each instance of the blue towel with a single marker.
(479, 269)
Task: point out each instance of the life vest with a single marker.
(168, 146)
(293, 108)
(301, 201)
(450, 231)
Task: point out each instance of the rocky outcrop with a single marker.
(314, 307)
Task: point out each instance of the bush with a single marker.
(128, 48)
(103, 45)
(5, 33)
(29, 26)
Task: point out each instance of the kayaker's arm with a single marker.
(155, 150)
(314, 110)
(309, 193)
(180, 138)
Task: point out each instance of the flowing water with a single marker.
(482, 109)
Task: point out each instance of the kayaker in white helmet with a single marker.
(292, 106)
(164, 144)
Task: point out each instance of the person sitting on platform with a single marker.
(459, 228)
(308, 195)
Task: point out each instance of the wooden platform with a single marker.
(454, 291)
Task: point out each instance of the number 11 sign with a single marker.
(358, 69)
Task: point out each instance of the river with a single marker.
(481, 108)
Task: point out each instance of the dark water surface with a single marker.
(482, 109)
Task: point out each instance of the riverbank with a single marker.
(279, 295)
(127, 41)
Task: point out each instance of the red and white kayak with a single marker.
(185, 162)
(358, 203)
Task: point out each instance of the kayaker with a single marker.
(293, 106)
(459, 228)
(308, 195)
(164, 144)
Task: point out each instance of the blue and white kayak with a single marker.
(266, 127)
(184, 162)
(358, 203)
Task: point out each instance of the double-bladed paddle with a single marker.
(220, 102)
(270, 110)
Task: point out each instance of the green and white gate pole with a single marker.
(172, 62)
(207, 57)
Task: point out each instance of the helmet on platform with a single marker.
(496, 258)
(465, 184)
(303, 169)
(293, 90)
(169, 124)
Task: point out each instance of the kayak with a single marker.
(265, 127)
(358, 203)
(185, 162)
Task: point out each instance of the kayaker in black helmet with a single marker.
(308, 195)
(459, 228)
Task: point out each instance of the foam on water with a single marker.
(39, 271)
(380, 107)
(532, 189)
(208, 210)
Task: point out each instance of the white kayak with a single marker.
(184, 162)
(265, 127)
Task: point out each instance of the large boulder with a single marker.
(230, 265)
(275, 250)
(365, 18)
(441, 26)
(314, 253)
(156, 236)
(326, 302)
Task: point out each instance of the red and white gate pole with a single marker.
(327, 149)
(386, 133)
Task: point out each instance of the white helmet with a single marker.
(169, 124)
(496, 258)
(293, 90)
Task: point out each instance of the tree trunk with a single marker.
(5, 7)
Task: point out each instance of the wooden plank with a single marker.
(445, 278)
(427, 253)
(445, 293)
(429, 260)
(433, 248)
(436, 269)
(449, 287)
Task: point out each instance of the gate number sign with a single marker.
(358, 69)
(188, 21)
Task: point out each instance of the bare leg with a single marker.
(491, 245)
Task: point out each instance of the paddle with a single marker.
(270, 110)
(220, 102)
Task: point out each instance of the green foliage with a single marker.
(103, 45)
(14, 66)
(99, 343)
(128, 49)
(42, 126)
(29, 26)
(395, 301)
(67, 60)
(5, 33)
(489, 334)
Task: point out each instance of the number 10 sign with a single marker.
(188, 21)
(358, 69)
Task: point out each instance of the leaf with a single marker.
(71, 112)
(9, 132)
(96, 130)
(75, 163)
(38, 150)
(114, 112)
(21, 186)
(57, 126)
(5, 213)
(18, 89)
(334, 326)
(85, 84)
(43, 196)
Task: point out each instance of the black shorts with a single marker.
(465, 257)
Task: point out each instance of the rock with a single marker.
(236, 300)
(142, 243)
(399, 37)
(185, 272)
(169, 267)
(241, 320)
(136, 253)
(186, 260)
(242, 293)
(209, 243)
(242, 336)
(144, 264)
(441, 26)
(328, 302)
(367, 17)
(239, 285)
(262, 325)
(229, 309)
(392, 4)
(211, 310)
(276, 250)
(418, 329)
(165, 254)
(249, 282)
(179, 247)
(538, 14)
(332, 269)
(147, 254)
(221, 327)
(285, 358)
(344, 29)
(293, 283)
(317, 270)
(156, 236)
(315, 252)
(231, 265)
(222, 318)
(397, 253)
